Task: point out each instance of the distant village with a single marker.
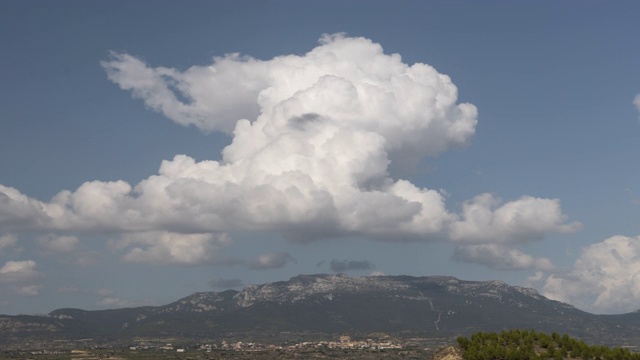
(344, 342)
(156, 348)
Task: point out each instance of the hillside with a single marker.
(324, 306)
(523, 344)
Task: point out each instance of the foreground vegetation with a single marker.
(525, 345)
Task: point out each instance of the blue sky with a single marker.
(534, 182)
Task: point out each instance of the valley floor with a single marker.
(115, 354)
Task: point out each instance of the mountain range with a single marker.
(308, 307)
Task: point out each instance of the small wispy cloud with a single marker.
(225, 283)
(57, 243)
(350, 265)
(7, 241)
(270, 261)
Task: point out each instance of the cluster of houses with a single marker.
(344, 342)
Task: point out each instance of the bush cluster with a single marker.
(525, 345)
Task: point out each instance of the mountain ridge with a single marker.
(325, 305)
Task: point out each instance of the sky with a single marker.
(152, 149)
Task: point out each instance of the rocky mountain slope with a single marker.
(323, 306)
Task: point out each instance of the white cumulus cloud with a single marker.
(488, 231)
(18, 271)
(20, 278)
(604, 279)
(499, 257)
(171, 248)
(485, 218)
(636, 102)
(7, 241)
(317, 140)
(58, 244)
(18, 211)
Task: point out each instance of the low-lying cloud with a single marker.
(225, 283)
(271, 260)
(350, 265)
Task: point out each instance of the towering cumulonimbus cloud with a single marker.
(317, 141)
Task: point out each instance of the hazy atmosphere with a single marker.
(152, 149)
